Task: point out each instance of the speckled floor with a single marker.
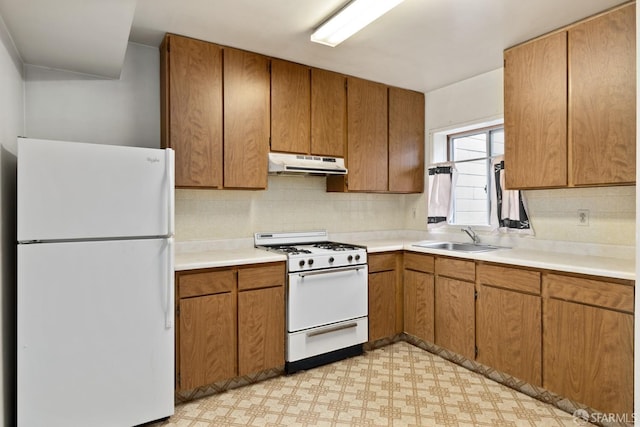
(397, 385)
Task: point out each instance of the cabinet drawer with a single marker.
(261, 277)
(205, 283)
(381, 262)
(589, 291)
(419, 262)
(509, 278)
(457, 268)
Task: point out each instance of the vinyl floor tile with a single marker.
(397, 385)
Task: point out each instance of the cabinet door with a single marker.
(419, 304)
(509, 332)
(535, 113)
(455, 316)
(191, 103)
(406, 141)
(260, 329)
(207, 340)
(328, 113)
(382, 307)
(602, 75)
(290, 107)
(367, 140)
(588, 355)
(246, 119)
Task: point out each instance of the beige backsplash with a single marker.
(294, 203)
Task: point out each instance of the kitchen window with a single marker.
(472, 151)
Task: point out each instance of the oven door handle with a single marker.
(330, 330)
(329, 271)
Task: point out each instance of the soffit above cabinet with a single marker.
(84, 36)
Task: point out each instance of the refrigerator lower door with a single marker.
(95, 333)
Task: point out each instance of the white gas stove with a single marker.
(327, 297)
(311, 250)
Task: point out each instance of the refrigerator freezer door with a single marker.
(94, 344)
(70, 190)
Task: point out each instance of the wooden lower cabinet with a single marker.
(419, 295)
(509, 332)
(455, 316)
(419, 305)
(588, 342)
(260, 329)
(509, 321)
(230, 322)
(207, 354)
(385, 295)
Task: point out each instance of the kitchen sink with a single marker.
(457, 247)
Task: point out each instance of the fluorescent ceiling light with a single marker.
(351, 19)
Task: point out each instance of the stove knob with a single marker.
(310, 262)
(350, 258)
(301, 263)
(357, 257)
(331, 260)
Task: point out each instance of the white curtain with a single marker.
(509, 213)
(442, 178)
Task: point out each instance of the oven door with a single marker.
(327, 296)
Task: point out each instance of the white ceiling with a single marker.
(421, 44)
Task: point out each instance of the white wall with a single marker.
(76, 107)
(11, 125)
(553, 213)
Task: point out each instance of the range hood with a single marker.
(280, 163)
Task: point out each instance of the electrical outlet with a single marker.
(583, 217)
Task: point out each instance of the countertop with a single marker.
(565, 262)
(618, 268)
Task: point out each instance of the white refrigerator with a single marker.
(95, 284)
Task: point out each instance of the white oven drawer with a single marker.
(323, 297)
(324, 339)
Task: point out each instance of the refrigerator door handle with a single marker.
(170, 286)
(170, 165)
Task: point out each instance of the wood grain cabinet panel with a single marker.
(260, 329)
(290, 107)
(191, 109)
(535, 113)
(382, 307)
(509, 332)
(328, 113)
(602, 99)
(406, 141)
(207, 340)
(455, 316)
(246, 119)
(588, 355)
(419, 304)
(367, 148)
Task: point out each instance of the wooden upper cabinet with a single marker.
(328, 113)
(602, 99)
(406, 141)
(246, 119)
(290, 107)
(367, 147)
(191, 109)
(535, 113)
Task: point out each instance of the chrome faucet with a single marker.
(472, 234)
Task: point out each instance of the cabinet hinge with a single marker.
(475, 295)
(476, 351)
(178, 311)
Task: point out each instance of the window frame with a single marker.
(488, 131)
